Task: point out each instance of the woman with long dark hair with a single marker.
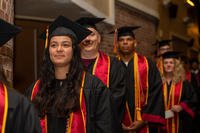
(67, 98)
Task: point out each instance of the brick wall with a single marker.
(125, 15)
(6, 52)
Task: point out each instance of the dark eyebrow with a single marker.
(66, 42)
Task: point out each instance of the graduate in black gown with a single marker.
(195, 81)
(17, 114)
(107, 69)
(144, 102)
(67, 98)
(179, 96)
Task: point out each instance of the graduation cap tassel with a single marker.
(115, 42)
(47, 36)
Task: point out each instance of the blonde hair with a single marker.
(179, 72)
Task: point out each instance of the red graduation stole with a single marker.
(101, 68)
(3, 107)
(174, 97)
(160, 65)
(77, 120)
(141, 90)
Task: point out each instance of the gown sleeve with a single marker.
(118, 87)
(189, 99)
(28, 91)
(98, 102)
(153, 111)
(23, 117)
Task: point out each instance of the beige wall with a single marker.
(102, 5)
(99, 8)
(147, 6)
(6, 52)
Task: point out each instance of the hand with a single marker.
(137, 125)
(177, 108)
(127, 128)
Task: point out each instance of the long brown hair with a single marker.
(66, 99)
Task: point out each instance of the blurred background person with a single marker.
(195, 81)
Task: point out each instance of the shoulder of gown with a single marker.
(98, 103)
(22, 116)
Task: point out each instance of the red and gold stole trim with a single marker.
(3, 106)
(127, 120)
(141, 84)
(35, 89)
(77, 120)
(101, 68)
(43, 121)
(160, 65)
(174, 97)
(140, 66)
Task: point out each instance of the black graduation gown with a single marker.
(98, 107)
(21, 117)
(195, 81)
(117, 87)
(155, 103)
(189, 97)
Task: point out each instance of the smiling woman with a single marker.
(60, 51)
(179, 96)
(168, 65)
(67, 98)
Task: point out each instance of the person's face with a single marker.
(168, 64)
(91, 43)
(126, 44)
(60, 50)
(164, 49)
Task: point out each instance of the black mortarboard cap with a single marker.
(122, 31)
(89, 21)
(126, 31)
(7, 31)
(171, 54)
(64, 26)
(163, 43)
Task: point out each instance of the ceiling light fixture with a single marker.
(190, 2)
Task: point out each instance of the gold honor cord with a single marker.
(5, 109)
(115, 42)
(47, 37)
(137, 90)
(70, 120)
